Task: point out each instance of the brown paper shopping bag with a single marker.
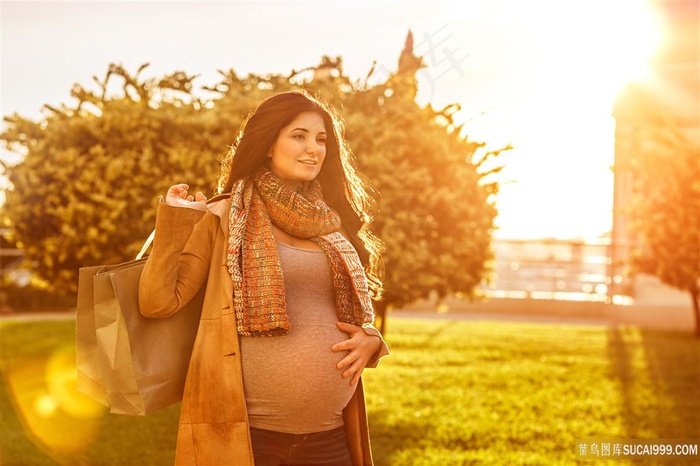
(90, 379)
(139, 364)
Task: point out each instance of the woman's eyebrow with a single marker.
(306, 130)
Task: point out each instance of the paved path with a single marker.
(498, 317)
(43, 315)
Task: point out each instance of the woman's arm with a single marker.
(178, 265)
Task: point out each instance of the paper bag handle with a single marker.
(146, 245)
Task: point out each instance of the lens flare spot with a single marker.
(62, 383)
(47, 404)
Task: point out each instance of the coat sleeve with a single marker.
(178, 264)
(383, 348)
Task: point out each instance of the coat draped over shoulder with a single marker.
(189, 257)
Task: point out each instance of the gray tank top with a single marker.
(291, 382)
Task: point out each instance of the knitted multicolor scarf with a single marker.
(258, 283)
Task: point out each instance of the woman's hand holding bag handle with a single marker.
(177, 196)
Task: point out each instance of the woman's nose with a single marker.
(312, 147)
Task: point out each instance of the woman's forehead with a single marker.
(310, 121)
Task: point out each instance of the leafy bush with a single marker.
(86, 191)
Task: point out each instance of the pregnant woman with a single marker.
(288, 268)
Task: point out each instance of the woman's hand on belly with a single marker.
(360, 346)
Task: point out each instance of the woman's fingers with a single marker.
(355, 371)
(175, 193)
(349, 328)
(353, 365)
(360, 346)
(344, 345)
(356, 379)
(347, 360)
(178, 196)
(178, 189)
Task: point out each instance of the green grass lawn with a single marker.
(451, 393)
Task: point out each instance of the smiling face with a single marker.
(298, 153)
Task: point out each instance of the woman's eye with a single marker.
(298, 136)
(321, 140)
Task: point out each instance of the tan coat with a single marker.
(190, 250)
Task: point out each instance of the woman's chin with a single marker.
(305, 177)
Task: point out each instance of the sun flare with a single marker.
(575, 59)
(634, 42)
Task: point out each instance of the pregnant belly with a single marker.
(291, 382)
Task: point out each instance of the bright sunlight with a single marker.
(568, 63)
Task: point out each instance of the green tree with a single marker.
(664, 209)
(85, 192)
(436, 215)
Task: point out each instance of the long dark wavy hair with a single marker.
(343, 187)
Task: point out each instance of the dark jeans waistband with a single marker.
(272, 448)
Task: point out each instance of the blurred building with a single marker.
(572, 270)
(674, 83)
